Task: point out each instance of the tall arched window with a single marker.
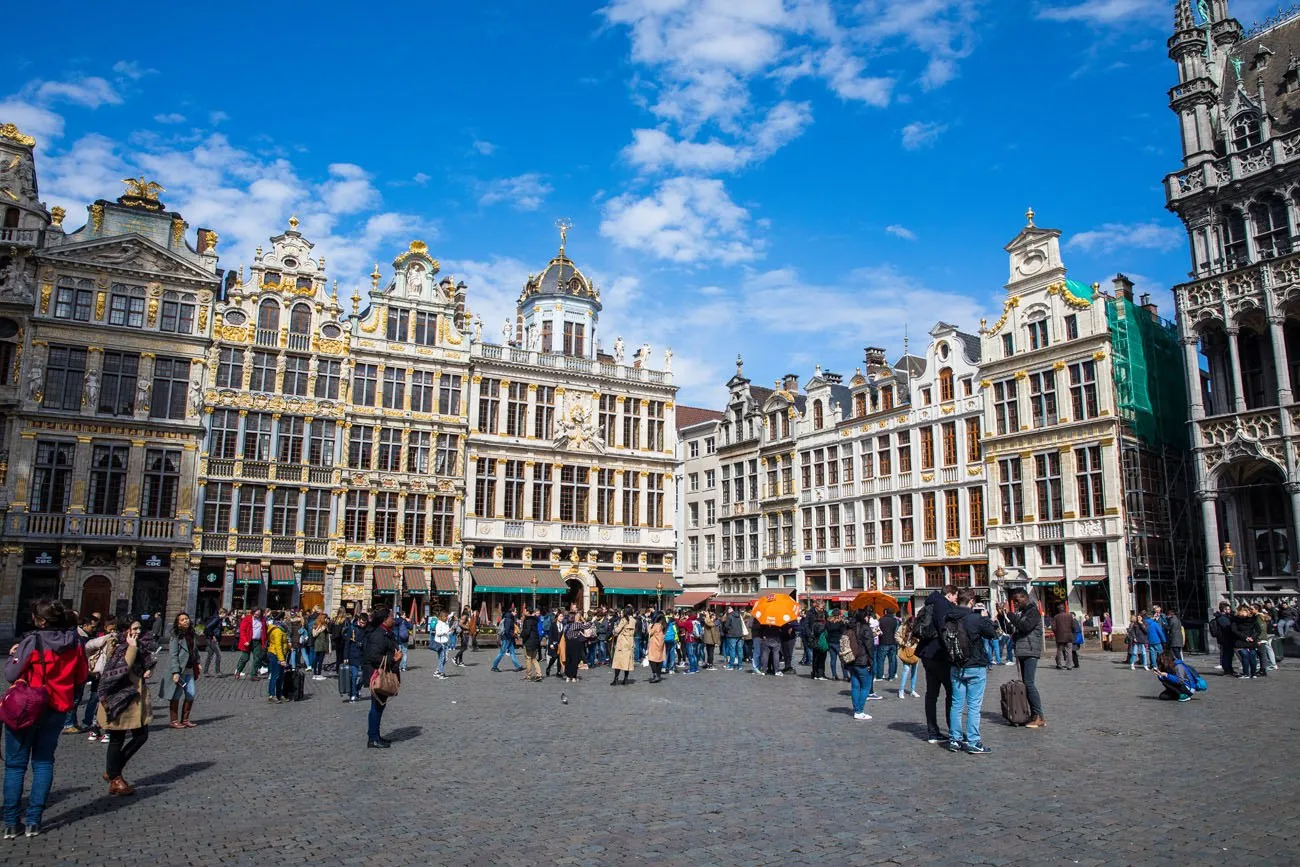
(1245, 131)
(819, 415)
(859, 405)
(300, 319)
(1234, 238)
(268, 316)
(1272, 232)
(945, 385)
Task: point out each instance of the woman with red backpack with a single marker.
(49, 659)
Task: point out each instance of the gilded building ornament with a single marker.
(101, 299)
(203, 318)
(1012, 302)
(10, 131)
(372, 325)
(96, 218)
(56, 216)
(47, 289)
(178, 230)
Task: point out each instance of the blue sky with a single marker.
(792, 180)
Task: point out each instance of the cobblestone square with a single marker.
(716, 768)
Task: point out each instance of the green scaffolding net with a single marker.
(1148, 370)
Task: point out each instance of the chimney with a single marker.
(832, 378)
(1123, 287)
(790, 383)
(875, 356)
(1145, 302)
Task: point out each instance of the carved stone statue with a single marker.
(478, 329)
(618, 349)
(507, 332)
(196, 397)
(143, 390)
(14, 282)
(415, 279)
(35, 378)
(668, 360)
(642, 357)
(92, 391)
(534, 338)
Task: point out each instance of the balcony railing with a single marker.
(948, 475)
(631, 534)
(1052, 530)
(105, 527)
(288, 472)
(300, 342)
(216, 543)
(283, 545)
(575, 532)
(257, 470)
(929, 549)
(20, 237)
(976, 547)
(320, 475)
(249, 544)
(316, 547)
(268, 337)
(574, 363)
(513, 529)
(221, 467)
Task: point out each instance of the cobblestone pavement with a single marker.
(716, 768)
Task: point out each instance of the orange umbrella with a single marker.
(775, 609)
(874, 600)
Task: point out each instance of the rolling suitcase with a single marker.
(1015, 703)
(291, 685)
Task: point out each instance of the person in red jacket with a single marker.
(252, 643)
(52, 658)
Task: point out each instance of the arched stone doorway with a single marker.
(576, 594)
(97, 596)
(1256, 516)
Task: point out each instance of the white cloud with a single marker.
(421, 178)
(654, 150)
(132, 69)
(171, 117)
(901, 232)
(90, 92)
(485, 148)
(685, 220)
(216, 118)
(32, 119)
(524, 192)
(919, 134)
(1105, 11)
(349, 189)
(1114, 236)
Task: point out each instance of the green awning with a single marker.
(1045, 583)
(1088, 582)
(489, 579)
(248, 573)
(637, 583)
(282, 575)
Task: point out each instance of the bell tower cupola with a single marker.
(559, 309)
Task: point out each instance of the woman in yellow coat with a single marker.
(655, 651)
(277, 657)
(624, 636)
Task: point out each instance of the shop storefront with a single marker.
(415, 592)
(386, 589)
(149, 593)
(495, 589)
(444, 590)
(694, 598)
(40, 580)
(212, 589)
(312, 596)
(638, 589)
(248, 586)
(282, 592)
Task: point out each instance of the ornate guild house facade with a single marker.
(106, 424)
(571, 458)
(1238, 194)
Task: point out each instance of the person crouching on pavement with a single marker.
(1179, 679)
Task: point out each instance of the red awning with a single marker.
(444, 582)
(415, 579)
(691, 598)
(386, 580)
(248, 573)
(282, 573)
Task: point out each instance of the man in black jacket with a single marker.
(970, 672)
(1222, 629)
(887, 647)
(935, 661)
(1026, 626)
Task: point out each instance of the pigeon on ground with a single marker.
(564, 699)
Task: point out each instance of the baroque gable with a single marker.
(130, 255)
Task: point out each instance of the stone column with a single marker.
(1239, 391)
(1278, 339)
(1215, 580)
(81, 473)
(1192, 375)
(556, 470)
(11, 571)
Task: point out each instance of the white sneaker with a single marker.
(862, 716)
(1010, 662)
(915, 694)
(901, 693)
(874, 697)
(779, 674)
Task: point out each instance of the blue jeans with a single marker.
(807, 653)
(274, 670)
(993, 650)
(859, 685)
(757, 646)
(507, 647)
(670, 661)
(967, 698)
(693, 656)
(77, 691)
(1137, 653)
(1153, 650)
(732, 650)
(887, 653)
(638, 648)
(36, 746)
(441, 650)
(92, 706)
(1249, 668)
(909, 672)
(351, 686)
(376, 716)
(836, 664)
(402, 665)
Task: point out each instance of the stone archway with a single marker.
(97, 596)
(1256, 514)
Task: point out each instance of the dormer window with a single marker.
(859, 405)
(271, 278)
(1038, 334)
(925, 396)
(887, 398)
(304, 283)
(819, 415)
(1245, 131)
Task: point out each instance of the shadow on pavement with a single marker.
(179, 772)
(406, 733)
(848, 711)
(917, 730)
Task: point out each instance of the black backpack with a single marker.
(925, 628)
(957, 643)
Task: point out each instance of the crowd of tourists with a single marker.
(94, 676)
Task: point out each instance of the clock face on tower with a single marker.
(1031, 263)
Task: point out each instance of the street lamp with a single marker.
(1229, 558)
(659, 592)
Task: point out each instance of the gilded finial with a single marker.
(984, 324)
(1029, 216)
(56, 216)
(740, 365)
(564, 225)
(141, 193)
(10, 131)
(374, 277)
(293, 222)
(335, 293)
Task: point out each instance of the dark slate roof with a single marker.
(688, 416)
(842, 395)
(970, 346)
(913, 364)
(1284, 41)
